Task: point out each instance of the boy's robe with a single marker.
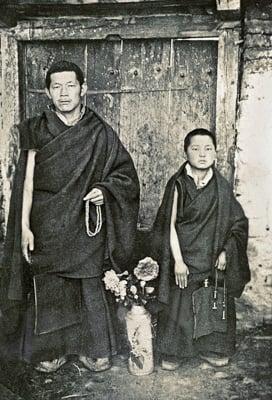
(231, 235)
(195, 223)
(70, 161)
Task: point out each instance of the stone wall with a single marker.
(253, 159)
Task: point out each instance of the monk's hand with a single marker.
(181, 274)
(221, 261)
(95, 196)
(27, 243)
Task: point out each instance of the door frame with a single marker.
(181, 27)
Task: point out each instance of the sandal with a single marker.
(98, 365)
(50, 366)
(170, 365)
(215, 361)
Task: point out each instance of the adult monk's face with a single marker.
(201, 152)
(65, 92)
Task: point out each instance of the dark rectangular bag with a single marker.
(57, 302)
(210, 308)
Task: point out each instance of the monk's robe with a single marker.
(67, 265)
(209, 220)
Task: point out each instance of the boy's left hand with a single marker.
(221, 261)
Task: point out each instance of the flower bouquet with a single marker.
(134, 288)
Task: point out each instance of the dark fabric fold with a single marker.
(231, 234)
(70, 161)
(195, 223)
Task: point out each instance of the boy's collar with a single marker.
(200, 183)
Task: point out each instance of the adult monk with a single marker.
(200, 231)
(73, 211)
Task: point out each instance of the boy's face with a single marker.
(201, 152)
(65, 91)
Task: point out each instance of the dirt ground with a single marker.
(247, 377)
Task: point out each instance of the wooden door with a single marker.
(151, 91)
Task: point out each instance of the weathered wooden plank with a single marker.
(107, 105)
(13, 12)
(145, 65)
(103, 65)
(228, 25)
(226, 102)
(9, 114)
(194, 65)
(143, 130)
(125, 27)
(144, 118)
(83, 2)
(40, 56)
(153, 124)
(34, 104)
(103, 73)
(199, 59)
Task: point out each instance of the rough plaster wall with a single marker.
(1, 175)
(9, 116)
(254, 163)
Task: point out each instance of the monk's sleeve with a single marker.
(237, 271)
(160, 246)
(120, 187)
(27, 136)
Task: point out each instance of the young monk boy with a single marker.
(200, 227)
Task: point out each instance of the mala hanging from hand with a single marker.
(98, 219)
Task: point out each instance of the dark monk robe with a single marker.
(209, 220)
(71, 314)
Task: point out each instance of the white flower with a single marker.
(123, 288)
(147, 269)
(111, 280)
(133, 289)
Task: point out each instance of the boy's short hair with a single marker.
(195, 132)
(62, 66)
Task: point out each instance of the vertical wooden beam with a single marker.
(9, 114)
(226, 101)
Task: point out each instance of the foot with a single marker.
(170, 365)
(215, 360)
(50, 366)
(95, 365)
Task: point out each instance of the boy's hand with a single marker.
(221, 261)
(27, 243)
(95, 196)
(181, 274)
